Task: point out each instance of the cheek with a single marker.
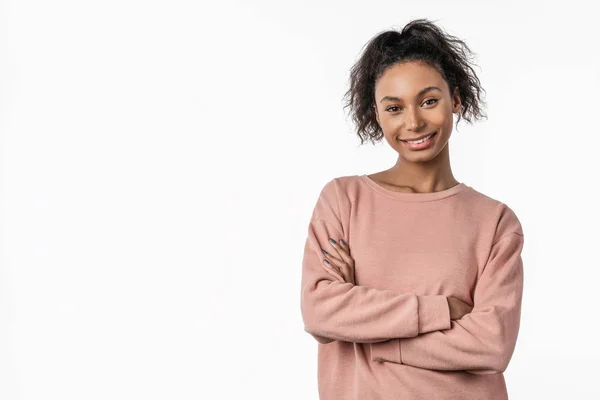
(389, 138)
(390, 124)
(441, 117)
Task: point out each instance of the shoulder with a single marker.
(335, 191)
(502, 216)
(340, 186)
(333, 204)
(336, 199)
(344, 180)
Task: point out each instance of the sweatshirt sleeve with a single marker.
(336, 310)
(481, 342)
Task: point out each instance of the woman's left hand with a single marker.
(339, 259)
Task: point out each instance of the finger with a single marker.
(340, 276)
(343, 251)
(341, 266)
(332, 256)
(338, 270)
(347, 263)
(335, 261)
(338, 263)
(331, 269)
(336, 246)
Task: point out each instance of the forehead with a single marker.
(407, 79)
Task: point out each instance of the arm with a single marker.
(321, 339)
(336, 310)
(483, 341)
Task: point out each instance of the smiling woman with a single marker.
(408, 85)
(426, 46)
(417, 121)
(411, 280)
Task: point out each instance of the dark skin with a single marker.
(413, 115)
(411, 100)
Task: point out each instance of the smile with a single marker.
(421, 143)
(421, 140)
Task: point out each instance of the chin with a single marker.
(419, 158)
(424, 155)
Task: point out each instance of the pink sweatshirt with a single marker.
(390, 336)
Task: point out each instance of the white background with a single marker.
(161, 161)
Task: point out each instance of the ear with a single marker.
(456, 102)
(376, 114)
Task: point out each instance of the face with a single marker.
(412, 100)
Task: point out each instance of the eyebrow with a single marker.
(421, 92)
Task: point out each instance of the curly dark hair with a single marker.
(423, 41)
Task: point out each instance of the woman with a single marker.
(412, 280)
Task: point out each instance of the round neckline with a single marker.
(405, 196)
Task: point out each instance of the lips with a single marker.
(420, 137)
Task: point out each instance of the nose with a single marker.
(414, 122)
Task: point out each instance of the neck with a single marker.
(431, 176)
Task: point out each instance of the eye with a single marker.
(429, 102)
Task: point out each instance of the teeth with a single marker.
(420, 141)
